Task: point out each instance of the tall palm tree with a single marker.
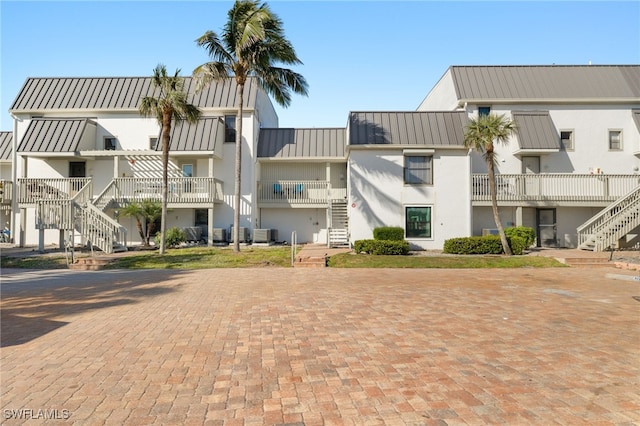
(171, 104)
(251, 44)
(479, 135)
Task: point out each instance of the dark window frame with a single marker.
(413, 179)
(418, 224)
(230, 128)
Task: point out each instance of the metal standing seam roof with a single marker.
(535, 130)
(54, 134)
(620, 82)
(420, 128)
(120, 93)
(302, 143)
(6, 139)
(205, 135)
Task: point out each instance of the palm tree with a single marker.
(171, 104)
(251, 43)
(145, 213)
(479, 135)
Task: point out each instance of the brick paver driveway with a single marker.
(308, 346)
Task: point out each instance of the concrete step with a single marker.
(590, 262)
(310, 262)
(90, 263)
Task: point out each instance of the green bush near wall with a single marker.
(175, 237)
(524, 232)
(381, 247)
(389, 233)
(489, 244)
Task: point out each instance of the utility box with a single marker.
(262, 235)
(244, 235)
(219, 235)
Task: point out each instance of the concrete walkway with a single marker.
(282, 346)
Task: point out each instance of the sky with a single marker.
(357, 55)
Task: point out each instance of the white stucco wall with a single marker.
(310, 224)
(442, 96)
(378, 195)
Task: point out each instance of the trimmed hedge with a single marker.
(389, 233)
(524, 232)
(489, 244)
(381, 247)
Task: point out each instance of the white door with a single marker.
(531, 166)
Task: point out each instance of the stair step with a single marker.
(310, 262)
(90, 263)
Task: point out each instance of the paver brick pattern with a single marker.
(277, 346)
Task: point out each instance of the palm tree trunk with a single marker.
(238, 186)
(494, 205)
(166, 136)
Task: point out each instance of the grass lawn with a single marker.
(348, 260)
(207, 257)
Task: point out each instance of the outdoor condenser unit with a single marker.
(244, 235)
(219, 235)
(262, 235)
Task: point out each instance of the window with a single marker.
(418, 170)
(418, 222)
(229, 128)
(483, 110)
(110, 144)
(615, 140)
(153, 143)
(566, 140)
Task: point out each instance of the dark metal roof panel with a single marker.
(536, 130)
(205, 135)
(121, 93)
(486, 83)
(6, 139)
(53, 135)
(407, 128)
(302, 143)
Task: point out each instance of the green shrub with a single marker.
(517, 244)
(390, 233)
(489, 244)
(175, 236)
(524, 232)
(381, 247)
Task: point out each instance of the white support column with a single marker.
(519, 216)
(210, 211)
(116, 166)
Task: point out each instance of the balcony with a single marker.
(182, 192)
(553, 189)
(33, 190)
(298, 193)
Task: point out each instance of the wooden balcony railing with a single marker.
(185, 190)
(32, 190)
(557, 187)
(298, 192)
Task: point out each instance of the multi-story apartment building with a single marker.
(79, 152)
(572, 170)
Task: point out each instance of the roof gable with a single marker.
(421, 128)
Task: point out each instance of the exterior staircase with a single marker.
(339, 230)
(77, 214)
(605, 230)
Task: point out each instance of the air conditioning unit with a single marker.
(262, 235)
(274, 235)
(486, 232)
(193, 233)
(244, 235)
(219, 235)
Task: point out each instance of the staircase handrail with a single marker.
(104, 231)
(635, 193)
(108, 191)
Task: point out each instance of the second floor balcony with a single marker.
(553, 189)
(298, 193)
